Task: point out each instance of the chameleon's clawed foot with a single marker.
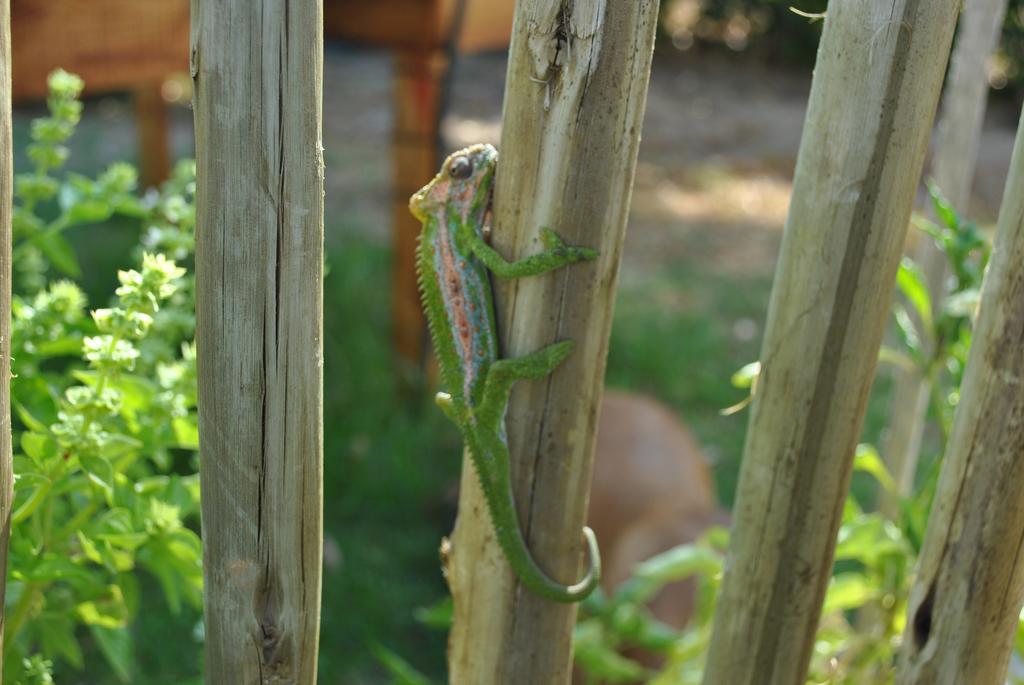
(553, 242)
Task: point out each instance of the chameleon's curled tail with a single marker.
(529, 573)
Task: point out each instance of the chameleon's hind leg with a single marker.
(503, 373)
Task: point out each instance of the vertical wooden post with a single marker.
(154, 134)
(965, 603)
(876, 86)
(574, 102)
(415, 157)
(257, 69)
(6, 198)
(956, 153)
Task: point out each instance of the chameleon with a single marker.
(454, 261)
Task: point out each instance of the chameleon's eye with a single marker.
(461, 167)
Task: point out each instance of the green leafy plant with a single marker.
(864, 614)
(105, 429)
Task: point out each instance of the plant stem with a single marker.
(29, 596)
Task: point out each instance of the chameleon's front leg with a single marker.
(557, 255)
(495, 475)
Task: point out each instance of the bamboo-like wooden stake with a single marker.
(6, 198)
(875, 90)
(965, 603)
(956, 153)
(574, 102)
(257, 69)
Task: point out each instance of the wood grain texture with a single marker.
(6, 196)
(964, 607)
(111, 44)
(876, 86)
(574, 102)
(955, 154)
(257, 72)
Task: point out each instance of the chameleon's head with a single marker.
(463, 185)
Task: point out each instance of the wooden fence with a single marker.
(573, 109)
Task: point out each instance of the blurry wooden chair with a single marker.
(425, 36)
(114, 45)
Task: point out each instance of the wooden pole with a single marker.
(6, 198)
(964, 607)
(875, 90)
(574, 103)
(257, 69)
(956, 153)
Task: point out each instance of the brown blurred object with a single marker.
(652, 490)
(421, 24)
(425, 35)
(114, 45)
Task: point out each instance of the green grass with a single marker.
(673, 338)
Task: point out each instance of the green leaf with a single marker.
(848, 591)
(54, 567)
(675, 564)
(101, 473)
(869, 538)
(117, 648)
(596, 650)
(186, 433)
(38, 447)
(115, 559)
(943, 210)
(109, 611)
(868, 460)
(30, 421)
(129, 541)
(88, 548)
(400, 669)
(59, 252)
(438, 615)
(57, 634)
(912, 284)
(116, 445)
(64, 346)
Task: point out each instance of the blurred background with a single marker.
(724, 114)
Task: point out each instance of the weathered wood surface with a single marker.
(964, 607)
(6, 197)
(111, 44)
(574, 103)
(876, 86)
(955, 154)
(257, 72)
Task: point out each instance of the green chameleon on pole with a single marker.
(452, 261)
